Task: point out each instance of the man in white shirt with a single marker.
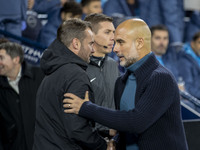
(18, 86)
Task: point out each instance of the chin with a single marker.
(123, 64)
(108, 51)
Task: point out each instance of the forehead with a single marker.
(160, 32)
(89, 34)
(197, 40)
(95, 3)
(122, 34)
(106, 25)
(3, 52)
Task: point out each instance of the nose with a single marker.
(116, 48)
(92, 50)
(112, 37)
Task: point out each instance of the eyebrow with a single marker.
(120, 41)
(110, 30)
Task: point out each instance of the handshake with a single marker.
(110, 144)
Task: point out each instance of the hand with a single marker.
(111, 145)
(31, 4)
(112, 132)
(73, 103)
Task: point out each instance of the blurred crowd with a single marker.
(38, 20)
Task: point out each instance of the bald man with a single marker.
(146, 96)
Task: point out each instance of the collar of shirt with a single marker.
(159, 58)
(14, 83)
(97, 61)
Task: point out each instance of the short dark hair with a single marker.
(95, 19)
(87, 2)
(13, 50)
(72, 7)
(158, 27)
(72, 28)
(196, 36)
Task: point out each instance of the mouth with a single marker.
(161, 47)
(120, 57)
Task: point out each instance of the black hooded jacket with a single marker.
(65, 72)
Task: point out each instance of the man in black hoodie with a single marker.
(64, 64)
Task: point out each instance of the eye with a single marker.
(120, 42)
(91, 43)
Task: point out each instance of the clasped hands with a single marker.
(73, 103)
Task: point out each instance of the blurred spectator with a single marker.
(12, 14)
(189, 66)
(193, 26)
(49, 31)
(91, 6)
(30, 4)
(121, 7)
(181, 64)
(193, 48)
(46, 6)
(159, 46)
(33, 23)
(167, 12)
(102, 2)
(2, 40)
(18, 86)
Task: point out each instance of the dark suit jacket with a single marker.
(17, 111)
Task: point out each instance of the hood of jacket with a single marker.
(57, 55)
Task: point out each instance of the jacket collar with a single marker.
(97, 61)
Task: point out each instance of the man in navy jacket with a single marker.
(146, 96)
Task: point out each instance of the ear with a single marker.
(76, 44)
(62, 16)
(139, 43)
(16, 60)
